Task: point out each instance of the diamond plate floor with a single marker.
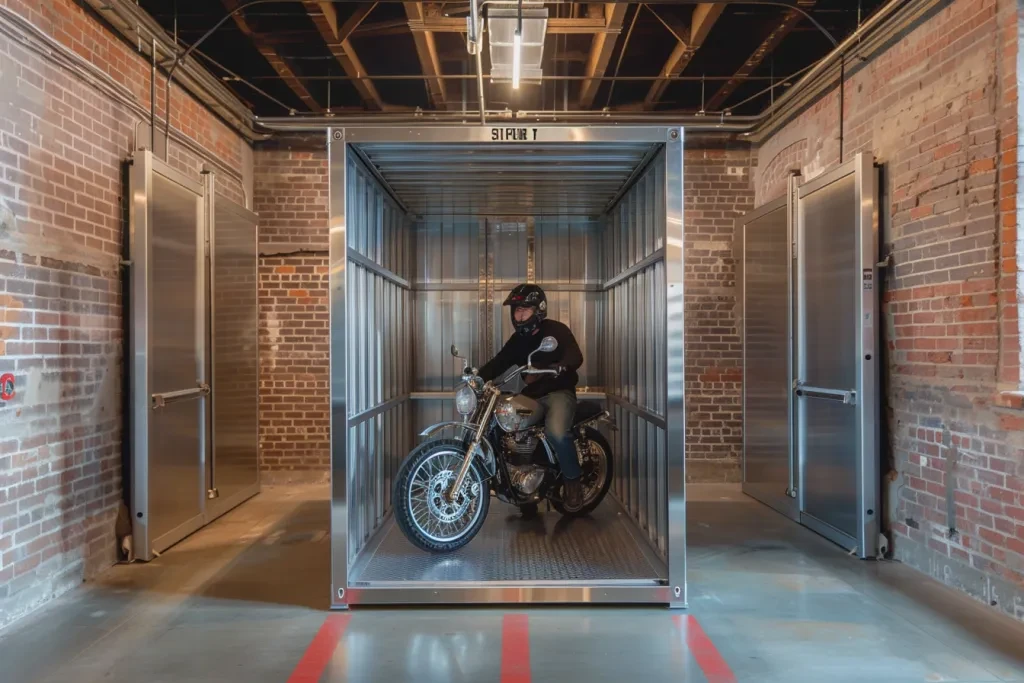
(508, 548)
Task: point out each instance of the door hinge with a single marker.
(212, 493)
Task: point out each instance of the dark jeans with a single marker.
(558, 418)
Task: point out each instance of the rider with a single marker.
(557, 393)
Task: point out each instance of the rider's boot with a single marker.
(573, 492)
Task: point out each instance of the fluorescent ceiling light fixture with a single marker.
(516, 47)
(517, 58)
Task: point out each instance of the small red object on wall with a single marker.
(6, 386)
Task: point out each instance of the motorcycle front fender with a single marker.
(486, 451)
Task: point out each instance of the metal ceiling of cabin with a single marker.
(507, 180)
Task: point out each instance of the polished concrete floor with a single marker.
(246, 598)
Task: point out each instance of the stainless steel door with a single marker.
(168, 348)
(233, 471)
(764, 241)
(836, 424)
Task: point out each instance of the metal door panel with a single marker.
(830, 465)
(175, 497)
(764, 243)
(233, 475)
(837, 433)
(830, 278)
(177, 304)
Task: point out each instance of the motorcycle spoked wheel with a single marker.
(597, 475)
(423, 514)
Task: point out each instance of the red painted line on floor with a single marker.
(515, 649)
(320, 651)
(709, 659)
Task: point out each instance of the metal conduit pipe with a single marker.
(27, 34)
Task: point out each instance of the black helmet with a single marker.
(527, 295)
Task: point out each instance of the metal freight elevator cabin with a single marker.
(430, 228)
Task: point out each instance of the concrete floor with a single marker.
(246, 599)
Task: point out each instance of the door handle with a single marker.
(847, 396)
(168, 397)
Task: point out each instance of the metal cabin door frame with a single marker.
(837, 367)
(167, 419)
(343, 462)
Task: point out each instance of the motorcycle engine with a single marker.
(521, 446)
(526, 478)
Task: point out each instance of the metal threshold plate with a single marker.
(605, 547)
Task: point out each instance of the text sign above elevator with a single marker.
(513, 135)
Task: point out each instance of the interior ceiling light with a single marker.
(516, 43)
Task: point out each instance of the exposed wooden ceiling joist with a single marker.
(601, 49)
(325, 16)
(789, 21)
(426, 50)
(269, 52)
(689, 41)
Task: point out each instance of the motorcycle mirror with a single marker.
(548, 344)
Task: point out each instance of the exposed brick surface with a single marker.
(295, 368)
(938, 110)
(61, 144)
(714, 198)
(291, 197)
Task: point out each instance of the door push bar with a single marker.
(161, 400)
(847, 396)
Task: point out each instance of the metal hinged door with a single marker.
(232, 470)
(836, 379)
(168, 376)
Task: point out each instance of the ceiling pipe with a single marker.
(811, 85)
(867, 38)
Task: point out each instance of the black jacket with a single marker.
(518, 348)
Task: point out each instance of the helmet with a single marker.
(527, 295)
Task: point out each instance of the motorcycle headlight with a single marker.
(508, 418)
(465, 401)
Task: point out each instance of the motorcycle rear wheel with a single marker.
(593, 493)
(425, 517)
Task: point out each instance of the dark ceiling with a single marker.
(310, 56)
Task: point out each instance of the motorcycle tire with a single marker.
(598, 438)
(400, 497)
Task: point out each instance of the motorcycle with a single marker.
(443, 488)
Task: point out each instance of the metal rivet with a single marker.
(338, 135)
(678, 591)
(673, 134)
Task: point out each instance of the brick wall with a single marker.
(717, 190)
(291, 197)
(939, 112)
(61, 144)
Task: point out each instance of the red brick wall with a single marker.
(291, 197)
(61, 144)
(717, 190)
(939, 112)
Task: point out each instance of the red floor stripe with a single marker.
(320, 651)
(515, 649)
(704, 651)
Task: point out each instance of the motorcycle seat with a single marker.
(586, 410)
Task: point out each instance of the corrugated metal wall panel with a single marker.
(379, 343)
(634, 365)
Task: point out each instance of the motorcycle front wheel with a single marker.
(426, 517)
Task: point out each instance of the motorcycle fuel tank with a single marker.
(529, 411)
